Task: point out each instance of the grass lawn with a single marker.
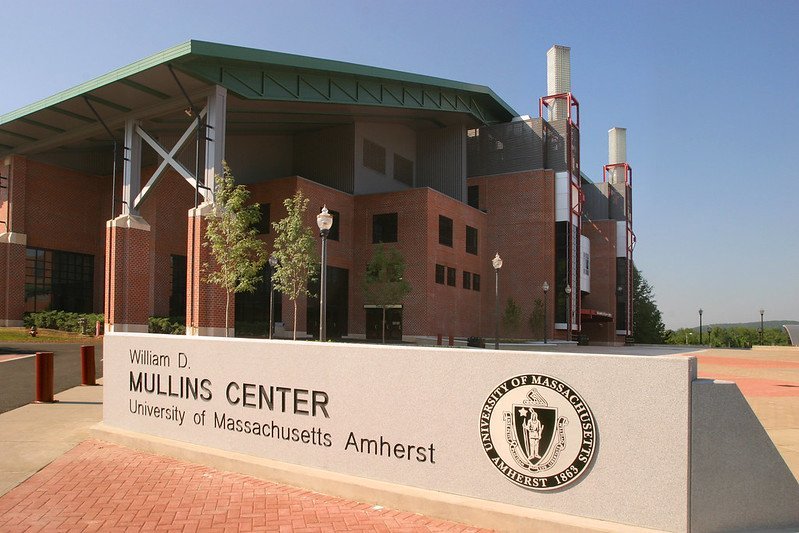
(45, 336)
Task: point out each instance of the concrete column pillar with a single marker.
(128, 298)
(205, 303)
(12, 279)
(14, 170)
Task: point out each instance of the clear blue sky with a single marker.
(706, 90)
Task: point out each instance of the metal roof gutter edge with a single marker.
(116, 75)
(239, 53)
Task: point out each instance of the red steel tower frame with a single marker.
(575, 200)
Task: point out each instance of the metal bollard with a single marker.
(438, 340)
(452, 340)
(87, 371)
(44, 377)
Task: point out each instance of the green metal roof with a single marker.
(250, 74)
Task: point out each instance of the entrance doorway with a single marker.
(252, 308)
(338, 289)
(374, 318)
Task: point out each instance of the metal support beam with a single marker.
(131, 173)
(215, 138)
(168, 160)
(84, 132)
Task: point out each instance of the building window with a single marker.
(384, 228)
(374, 156)
(56, 280)
(264, 224)
(473, 196)
(475, 282)
(177, 300)
(333, 234)
(444, 230)
(440, 274)
(450, 277)
(467, 280)
(471, 240)
(403, 170)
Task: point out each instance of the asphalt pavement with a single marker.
(18, 370)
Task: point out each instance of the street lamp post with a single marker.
(700, 327)
(568, 291)
(272, 265)
(325, 221)
(497, 263)
(545, 288)
(761, 326)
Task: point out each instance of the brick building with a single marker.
(106, 187)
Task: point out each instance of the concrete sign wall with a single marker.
(599, 436)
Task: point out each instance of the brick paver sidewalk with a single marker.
(104, 487)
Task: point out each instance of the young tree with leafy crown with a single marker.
(384, 284)
(295, 249)
(236, 251)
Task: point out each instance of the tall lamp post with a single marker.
(272, 265)
(700, 327)
(761, 326)
(497, 263)
(325, 221)
(568, 291)
(545, 288)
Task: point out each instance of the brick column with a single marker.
(205, 303)
(127, 271)
(12, 279)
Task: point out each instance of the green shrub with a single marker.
(166, 325)
(63, 321)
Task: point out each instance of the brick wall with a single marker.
(521, 227)
(165, 210)
(66, 210)
(602, 234)
(129, 297)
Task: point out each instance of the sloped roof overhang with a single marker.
(148, 88)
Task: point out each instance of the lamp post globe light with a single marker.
(762, 311)
(700, 327)
(272, 265)
(325, 221)
(545, 288)
(568, 291)
(497, 263)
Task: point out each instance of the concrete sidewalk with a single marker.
(33, 436)
(53, 477)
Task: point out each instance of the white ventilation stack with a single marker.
(558, 79)
(617, 153)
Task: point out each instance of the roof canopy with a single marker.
(268, 89)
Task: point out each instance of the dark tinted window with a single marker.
(444, 230)
(450, 277)
(384, 228)
(467, 280)
(56, 280)
(473, 195)
(471, 240)
(333, 235)
(177, 300)
(264, 225)
(476, 282)
(440, 274)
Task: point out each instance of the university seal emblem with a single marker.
(538, 432)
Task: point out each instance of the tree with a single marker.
(536, 318)
(648, 324)
(236, 251)
(295, 249)
(512, 316)
(384, 284)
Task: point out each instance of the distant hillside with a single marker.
(753, 325)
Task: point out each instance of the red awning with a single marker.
(594, 315)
